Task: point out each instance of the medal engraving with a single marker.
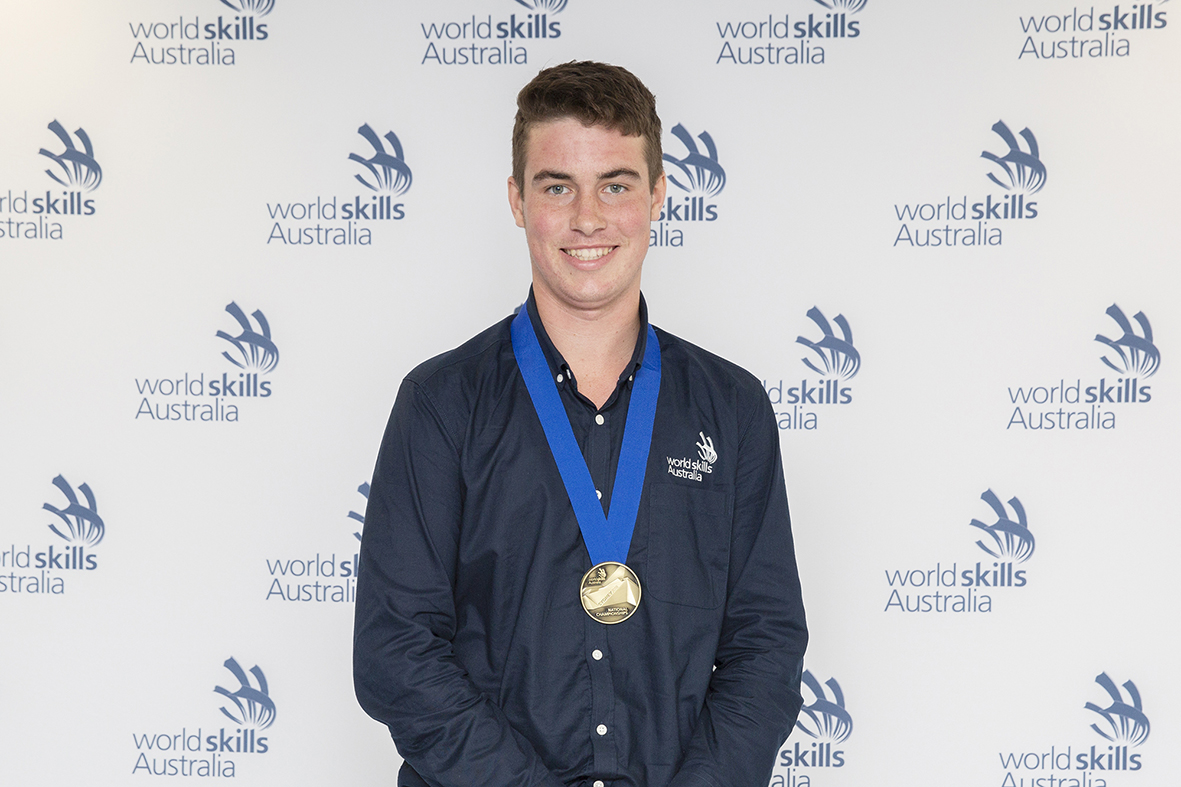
(610, 592)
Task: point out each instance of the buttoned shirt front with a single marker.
(471, 643)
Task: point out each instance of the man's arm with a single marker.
(754, 695)
(405, 671)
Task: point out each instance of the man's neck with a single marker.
(597, 344)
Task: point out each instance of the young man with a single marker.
(577, 565)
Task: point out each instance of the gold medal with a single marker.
(610, 592)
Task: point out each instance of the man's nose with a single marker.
(588, 213)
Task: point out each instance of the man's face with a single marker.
(586, 206)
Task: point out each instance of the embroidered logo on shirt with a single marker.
(693, 469)
(705, 449)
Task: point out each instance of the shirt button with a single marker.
(599, 783)
(600, 494)
(596, 654)
(559, 378)
(601, 729)
(599, 419)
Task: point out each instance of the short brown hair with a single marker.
(597, 94)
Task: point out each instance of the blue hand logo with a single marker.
(79, 170)
(388, 172)
(1141, 357)
(1126, 723)
(1023, 170)
(256, 351)
(704, 176)
(80, 524)
(838, 357)
(1011, 540)
(253, 707)
(825, 719)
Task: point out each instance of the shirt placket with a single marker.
(599, 445)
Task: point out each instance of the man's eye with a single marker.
(616, 188)
(557, 188)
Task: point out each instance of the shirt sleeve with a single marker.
(406, 673)
(754, 693)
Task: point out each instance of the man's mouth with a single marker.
(589, 255)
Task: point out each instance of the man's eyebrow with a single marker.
(620, 173)
(549, 174)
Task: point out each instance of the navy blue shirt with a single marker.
(471, 643)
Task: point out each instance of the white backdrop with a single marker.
(232, 538)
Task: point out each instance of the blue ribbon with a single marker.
(606, 537)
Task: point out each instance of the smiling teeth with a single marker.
(586, 255)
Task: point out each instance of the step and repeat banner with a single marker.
(944, 235)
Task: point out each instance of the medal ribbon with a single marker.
(606, 537)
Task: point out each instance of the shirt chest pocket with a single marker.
(688, 545)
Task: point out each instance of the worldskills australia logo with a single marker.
(1131, 354)
(833, 359)
(696, 178)
(1018, 171)
(74, 170)
(1084, 34)
(788, 39)
(694, 469)
(204, 751)
(348, 220)
(1118, 719)
(969, 587)
(197, 41)
(487, 41)
(33, 570)
(196, 396)
(80, 527)
(825, 721)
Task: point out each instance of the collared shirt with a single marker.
(471, 643)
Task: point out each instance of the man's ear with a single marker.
(658, 192)
(516, 202)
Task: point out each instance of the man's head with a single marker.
(595, 94)
(587, 184)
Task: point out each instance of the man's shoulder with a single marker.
(684, 357)
(467, 365)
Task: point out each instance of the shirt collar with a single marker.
(557, 363)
